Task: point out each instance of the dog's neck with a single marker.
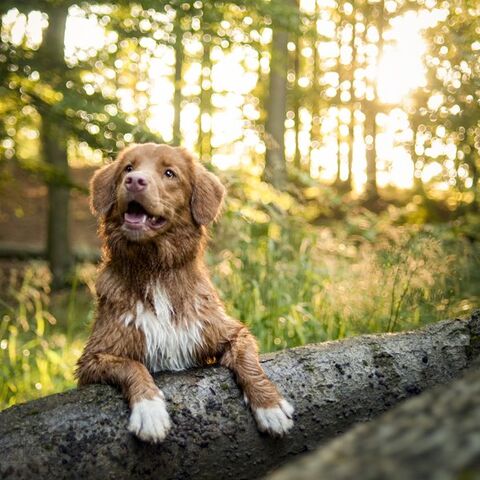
(172, 255)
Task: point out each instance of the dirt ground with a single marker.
(23, 213)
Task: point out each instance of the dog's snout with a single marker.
(136, 182)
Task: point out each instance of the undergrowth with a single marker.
(291, 282)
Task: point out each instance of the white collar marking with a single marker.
(168, 346)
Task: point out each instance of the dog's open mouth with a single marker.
(136, 217)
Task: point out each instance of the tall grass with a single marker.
(292, 283)
(39, 340)
(294, 286)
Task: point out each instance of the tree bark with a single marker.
(371, 111)
(430, 437)
(54, 147)
(83, 433)
(275, 163)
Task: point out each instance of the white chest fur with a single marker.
(168, 346)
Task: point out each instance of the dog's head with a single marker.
(152, 189)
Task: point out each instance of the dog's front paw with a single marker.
(276, 421)
(149, 420)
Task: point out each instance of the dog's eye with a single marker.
(169, 173)
(129, 168)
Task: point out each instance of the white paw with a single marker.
(149, 420)
(276, 421)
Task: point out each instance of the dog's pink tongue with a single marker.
(135, 217)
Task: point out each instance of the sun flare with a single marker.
(401, 67)
(233, 77)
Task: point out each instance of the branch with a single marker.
(83, 433)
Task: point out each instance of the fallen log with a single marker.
(83, 433)
(434, 436)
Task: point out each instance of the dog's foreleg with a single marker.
(271, 411)
(149, 419)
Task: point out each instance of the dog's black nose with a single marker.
(135, 182)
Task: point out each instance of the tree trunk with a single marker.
(351, 125)
(297, 160)
(205, 135)
(275, 164)
(418, 186)
(83, 433)
(54, 147)
(471, 160)
(370, 134)
(430, 437)
(338, 100)
(59, 253)
(316, 102)
(371, 112)
(177, 96)
(338, 179)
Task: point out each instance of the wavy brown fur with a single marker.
(172, 257)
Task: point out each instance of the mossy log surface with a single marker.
(434, 436)
(83, 433)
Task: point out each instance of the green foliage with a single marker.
(295, 284)
(276, 280)
(290, 282)
(453, 79)
(38, 341)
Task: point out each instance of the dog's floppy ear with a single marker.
(102, 185)
(102, 189)
(207, 196)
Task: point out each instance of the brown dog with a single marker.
(157, 309)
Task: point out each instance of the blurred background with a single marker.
(347, 132)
